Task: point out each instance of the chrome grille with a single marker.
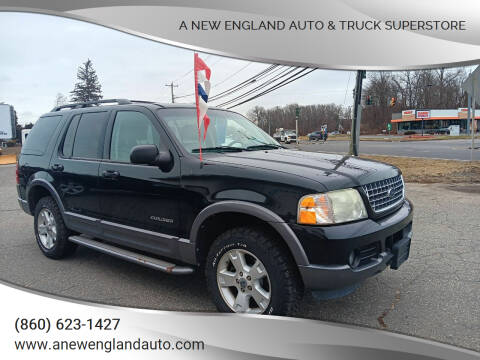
(385, 194)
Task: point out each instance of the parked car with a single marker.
(278, 135)
(262, 222)
(317, 135)
(290, 135)
(440, 131)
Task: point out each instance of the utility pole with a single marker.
(171, 88)
(470, 86)
(474, 89)
(297, 115)
(469, 113)
(357, 113)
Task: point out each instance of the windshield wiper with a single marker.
(219, 149)
(264, 146)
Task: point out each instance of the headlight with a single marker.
(332, 207)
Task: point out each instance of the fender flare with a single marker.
(49, 187)
(260, 212)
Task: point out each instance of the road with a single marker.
(434, 295)
(443, 149)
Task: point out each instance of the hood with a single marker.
(331, 170)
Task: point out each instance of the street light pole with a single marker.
(357, 114)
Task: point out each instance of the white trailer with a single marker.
(25, 133)
(7, 122)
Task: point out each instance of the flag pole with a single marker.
(195, 57)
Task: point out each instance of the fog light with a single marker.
(353, 259)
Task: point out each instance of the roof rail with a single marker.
(79, 105)
(146, 102)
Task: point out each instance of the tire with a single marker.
(50, 230)
(278, 288)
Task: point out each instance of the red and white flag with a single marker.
(202, 89)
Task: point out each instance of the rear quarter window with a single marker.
(41, 134)
(90, 136)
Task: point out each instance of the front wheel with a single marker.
(249, 272)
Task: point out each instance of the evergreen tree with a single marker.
(88, 88)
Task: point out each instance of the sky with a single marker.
(40, 56)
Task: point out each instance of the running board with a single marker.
(131, 256)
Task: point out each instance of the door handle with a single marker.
(110, 174)
(57, 167)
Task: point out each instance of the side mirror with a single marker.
(150, 155)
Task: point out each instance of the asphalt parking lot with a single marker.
(434, 295)
(441, 149)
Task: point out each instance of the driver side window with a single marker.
(131, 128)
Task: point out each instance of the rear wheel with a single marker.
(249, 272)
(50, 230)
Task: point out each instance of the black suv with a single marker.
(261, 221)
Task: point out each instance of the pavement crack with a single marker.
(381, 318)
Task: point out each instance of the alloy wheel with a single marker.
(47, 228)
(243, 282)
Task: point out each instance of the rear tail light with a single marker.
(17, 177)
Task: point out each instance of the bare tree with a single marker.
(435, 89)
(312, 117)
(60, 99)
(429, 89)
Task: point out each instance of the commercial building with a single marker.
(433, 120)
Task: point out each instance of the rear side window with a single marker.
(89, 137)
(39, 137)
(70, 137)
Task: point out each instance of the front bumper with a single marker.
(390, 236)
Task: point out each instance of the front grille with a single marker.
(385, 194)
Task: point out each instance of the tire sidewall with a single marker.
(58, 248)
(227, 243)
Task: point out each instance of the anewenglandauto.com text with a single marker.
(110, 345)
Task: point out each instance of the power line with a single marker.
(232, 75)
(221, 82)
(239, 85)
(189, 71)
(283, 74)
(267, 72)
(346, 90)
(273, 88)
(245, 83)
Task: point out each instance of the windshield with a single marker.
(227, 131)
